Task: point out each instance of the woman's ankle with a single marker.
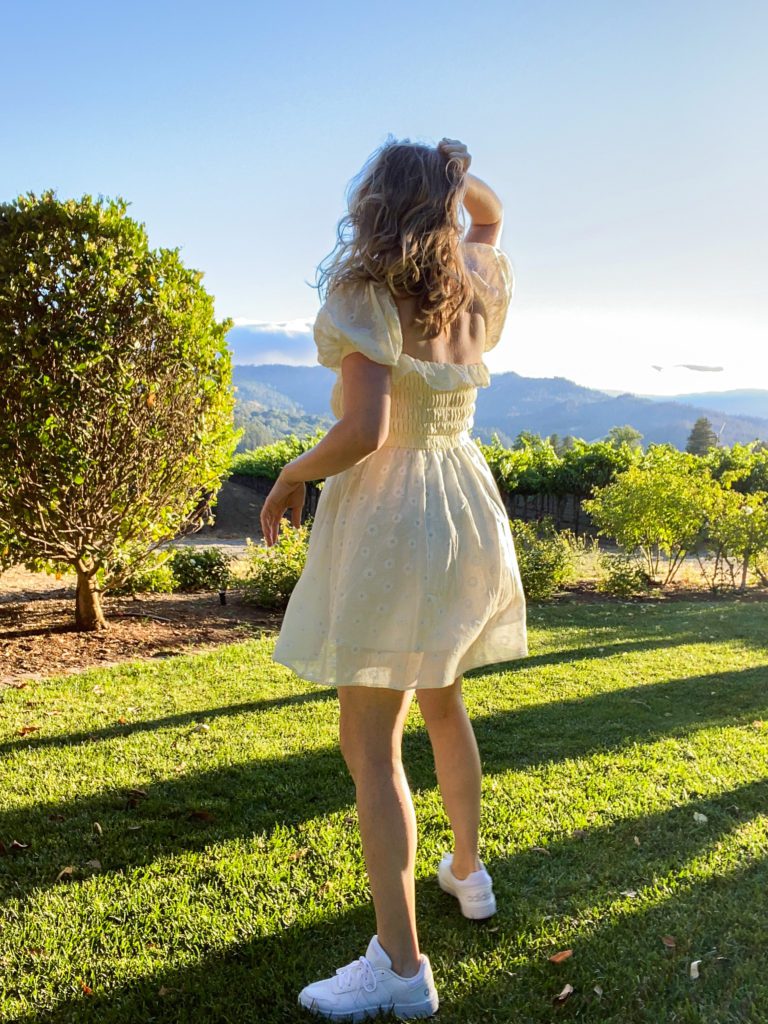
(406, 964)
(464, 865)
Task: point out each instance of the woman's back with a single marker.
(462, 343)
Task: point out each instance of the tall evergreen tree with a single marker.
(701, 438)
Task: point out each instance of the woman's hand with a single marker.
(452, 149)
(285, 494)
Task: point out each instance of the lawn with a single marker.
(190, 850)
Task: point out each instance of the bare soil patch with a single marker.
(38, 636)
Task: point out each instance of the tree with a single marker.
(527, 439)
(659, 508)
(701, 438)
(117, 425)
(624, 435)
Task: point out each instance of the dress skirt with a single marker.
(411, 576)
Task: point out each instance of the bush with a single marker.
(737, 537)
(659, 508)
(273, 572)
(268, 460)
(198, 569)
(622, 575)
(545, 557)
(153, 575)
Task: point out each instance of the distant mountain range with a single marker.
(542, 405)
(746, 402)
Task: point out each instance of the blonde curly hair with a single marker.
(403, 228)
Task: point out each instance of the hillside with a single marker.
(543, 405)
(743, 402)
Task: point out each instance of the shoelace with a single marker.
(358, 972)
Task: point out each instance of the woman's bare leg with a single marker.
(457, 763)
(371, 730)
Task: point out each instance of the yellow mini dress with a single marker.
(411, 576)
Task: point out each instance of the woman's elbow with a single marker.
(369, 437)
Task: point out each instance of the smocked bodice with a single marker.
(432, 404)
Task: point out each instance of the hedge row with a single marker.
(535, 468)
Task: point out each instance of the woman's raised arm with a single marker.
(481, 202)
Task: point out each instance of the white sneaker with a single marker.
(369, 986)
(474, 893)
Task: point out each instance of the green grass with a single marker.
(238, 877)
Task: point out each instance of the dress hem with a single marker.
(521, 652)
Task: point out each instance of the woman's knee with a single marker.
(370, 733)
(441, 703)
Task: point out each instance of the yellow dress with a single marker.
(411, 576)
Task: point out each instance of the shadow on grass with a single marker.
(246, 798)
(109, 732)
(618, 948)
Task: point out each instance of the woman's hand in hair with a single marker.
(452, 149)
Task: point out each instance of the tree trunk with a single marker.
(745, 571)
(88, 611)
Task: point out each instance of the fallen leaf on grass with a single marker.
(637, 840)
(694, 969)
(66, 874)
(25, 730)
(122, 720)
(87, 990)
(669, 941)
(557, 958)
(566, 994)
(93, 865)
(579, 833)
(598, 991)
(202, 816)
(17, 847)
(630, 893)
(165, 991)
(297, 854)
(699, 818)
(542, 849)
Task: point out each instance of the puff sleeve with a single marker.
(354, 319)
(493, 278)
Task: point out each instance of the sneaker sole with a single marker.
(405, 1011)
(479, 911)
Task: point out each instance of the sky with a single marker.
(627, 142)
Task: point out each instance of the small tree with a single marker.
(737, 535)
(117, 426)
(701, 438)
(658, 509)
(624, 435)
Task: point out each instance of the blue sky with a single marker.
(628, 143)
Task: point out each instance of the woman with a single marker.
(411, 577)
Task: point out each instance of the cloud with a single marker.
(256, 341)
